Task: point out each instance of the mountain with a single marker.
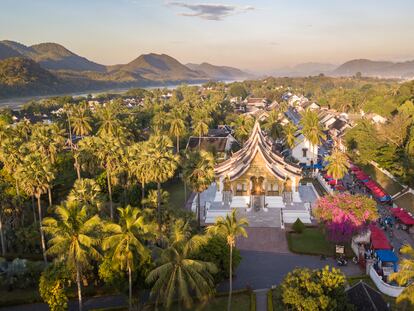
(20, 75)
(159, 67)
(304, 69)
(54, 56)
(7, 52)
(219, 72)
(383, 69)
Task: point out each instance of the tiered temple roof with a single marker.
(240, 162)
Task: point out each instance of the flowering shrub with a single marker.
(344, 214)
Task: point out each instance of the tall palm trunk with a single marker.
(42, 235)
(34, 211)
(231, 278)
(130, 285)
(108, 178)
(2, 239)
(17, 187)
(159, 205)
(78, 282)
(198, 210)
(178, 144)
(77, 165)
(142, 192)
(49, 194)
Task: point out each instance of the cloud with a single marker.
(209, 11)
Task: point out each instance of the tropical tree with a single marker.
(338, 164)
(35, 175)
(126, 241)
(312, 129)
(229, 228)
(178, 275)
(201, 121)
(243, 125)
(289, 131)
(135, 161)
(109, 122)
(273, 126)
(160, 162)
(176, 126)
(405, 274)
(198, 173)
(74, 239)
(86, 192)
(344, 214)
(309, 290)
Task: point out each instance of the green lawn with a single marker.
(313, 242)
(19, 296)
(240, 302)
(387, 183)
(176, 190)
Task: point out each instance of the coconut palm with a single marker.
(11, 156)
(86, 192)
(126, 241)
(200, 122)
(243, 125)
(405, 275)
(311, 128)
(176, 126)
(178, 275)
(289, 130)
(229, 228)
(74, 239)
(337, 164)
(160, 162)
(109, 121)
(35, 175)
(81, 119)
(137, 166)
(198, 173)
(272, 125)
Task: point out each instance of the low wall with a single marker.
(323, 183)
(387, 289)
(290, 216)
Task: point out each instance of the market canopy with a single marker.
(386, 256)
(403, 216)
(378, 238)
(380, 244)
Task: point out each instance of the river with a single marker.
(16, 103)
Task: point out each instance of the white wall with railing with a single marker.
(387, 289)
(323, 182)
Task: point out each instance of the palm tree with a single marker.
(337, 164)
(126, 241)
(86, 192)
(177, 126)
(405, 275)
(109, 122)
(81, 122)
(311, 128)
(160, 162)
(201, 122)
(35, 175)
(74, 239)
(178, 275)
(137, 166)
(289, 131)
(81, 119)
(230, 228)
(272, 125)
(243, 125)
(198, 173)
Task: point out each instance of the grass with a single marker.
(19, 296)
(391, 187)
(312, 241)
(176, 191)
(240, 302)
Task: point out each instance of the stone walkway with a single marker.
(268, 239)
(261, 218)
(261, 299)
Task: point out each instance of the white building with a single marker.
(304, 151)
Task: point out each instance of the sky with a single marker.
(258, 35)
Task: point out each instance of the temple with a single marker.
(257, 181)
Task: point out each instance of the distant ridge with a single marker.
(383, 69)
(219, 72)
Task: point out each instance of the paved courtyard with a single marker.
(268, 239)
(263, 269)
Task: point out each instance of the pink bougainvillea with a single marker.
(344, 214)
